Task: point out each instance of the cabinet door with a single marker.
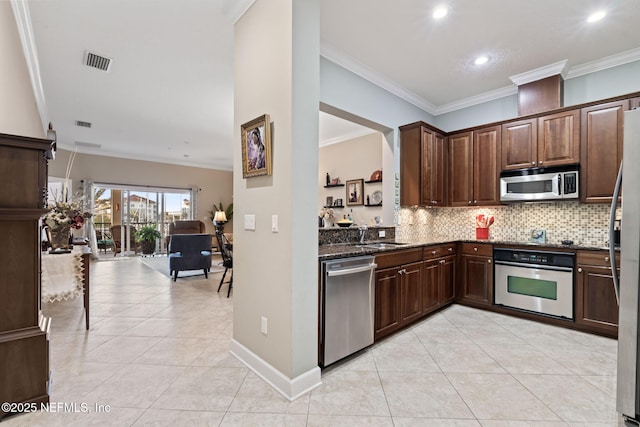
(447, 280)
(476, 284)
(410, 159)
(486, 166)
(596, 304)
(439, 171)
(431, 286)
(519, 144)
(461, 169)
(601, 150)
(411, 292)
(387, 307)
(559, 138)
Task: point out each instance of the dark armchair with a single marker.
(189, 252)
(118, 241)
(185, 227)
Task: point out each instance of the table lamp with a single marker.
(219, 220)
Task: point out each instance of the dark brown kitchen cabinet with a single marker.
(600, 150)
(595, 300)
(559, 139)
(423, 163)
(474, 167)
(519, 144)
(439, 276)
(24, 343)
(475, 284)
(410, 292)
(550, 140)
(397, 290)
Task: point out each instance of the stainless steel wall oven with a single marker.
(537, 281)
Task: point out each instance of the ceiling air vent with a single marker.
(97, 61)
(83, 124)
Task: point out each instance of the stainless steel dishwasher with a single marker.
(347, 303)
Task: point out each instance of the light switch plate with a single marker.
(250, 222)
(274, 223)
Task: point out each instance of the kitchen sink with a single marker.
(381, 245)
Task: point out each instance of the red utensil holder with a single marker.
(482, 233)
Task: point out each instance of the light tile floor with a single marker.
(158, 354)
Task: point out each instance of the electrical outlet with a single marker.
(263, 326)
(381, 233)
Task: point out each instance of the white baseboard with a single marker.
(289, 388)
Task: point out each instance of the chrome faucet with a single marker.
(363, 230)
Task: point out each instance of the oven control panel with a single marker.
(562, 259)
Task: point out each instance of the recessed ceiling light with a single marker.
(596, 16)
(481, 60)
(440, 12)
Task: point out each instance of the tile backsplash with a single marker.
(585, 224)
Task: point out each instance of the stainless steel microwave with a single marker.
(537, 184)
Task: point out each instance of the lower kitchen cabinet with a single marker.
(596, 304)
(439, 277)
(475, 284)
(398, 290)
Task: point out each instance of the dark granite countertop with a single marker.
(343, 250)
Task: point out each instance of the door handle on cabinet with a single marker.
(579, 270)
(606, 259)
(450, 249)
(489, 261)
(442, 261)
(475, 249)
(533, 163)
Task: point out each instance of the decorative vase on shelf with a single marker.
(60, 240)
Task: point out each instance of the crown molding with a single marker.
(540, 73)
(604, 63)
(476, 99)
(335, 55)
(234, 9)
(25, 30)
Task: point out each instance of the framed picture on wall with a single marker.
(256, 147)
(354, 192)
(329, 201)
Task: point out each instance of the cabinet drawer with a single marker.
(395, 258)
(433, 252)
(597, 258)
(477, 249)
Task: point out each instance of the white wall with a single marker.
(276, 71)
(18, 110)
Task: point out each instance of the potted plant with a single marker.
(147, 236)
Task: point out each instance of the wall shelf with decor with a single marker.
(334, 207)
(333, 185)
(373, 206)
(373, 181)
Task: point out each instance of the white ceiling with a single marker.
(168, 95)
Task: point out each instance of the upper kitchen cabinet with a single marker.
(634, 103)
(474, 167)
(559, 139)
(601, 150)
(423, 162)
(519, 144)
(550, 140)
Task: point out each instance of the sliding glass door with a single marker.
(128, 208)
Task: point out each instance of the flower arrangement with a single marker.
(66, 215)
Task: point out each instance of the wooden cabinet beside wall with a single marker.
(474, 167)
(24, 346)
(601, 150)
(439, 277)
(596, 304)
(423, 163)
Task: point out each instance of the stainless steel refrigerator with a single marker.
(628, 392)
